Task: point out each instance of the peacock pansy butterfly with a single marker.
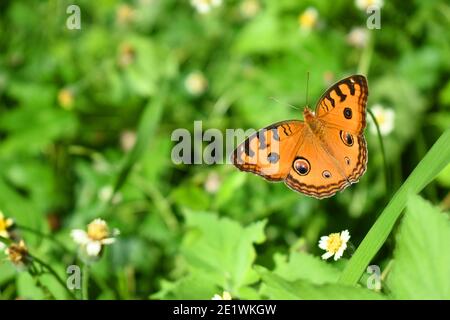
(319, 156)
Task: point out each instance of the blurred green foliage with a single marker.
(86, 118)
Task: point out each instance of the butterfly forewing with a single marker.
(343, 105)
(269, 151)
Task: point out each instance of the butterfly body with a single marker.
(319, 156)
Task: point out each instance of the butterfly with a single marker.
(319, 156)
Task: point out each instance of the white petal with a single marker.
(338, 255)
(216, 297)
(326, 255)
(2, 246)
(108, 241)
(345, 236)
(79, 236)
(93, 248)
(340, 252)
(323, 244)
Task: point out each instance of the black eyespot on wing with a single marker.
(326, 174)
(346, 138)
(348, 113)
(301, 166)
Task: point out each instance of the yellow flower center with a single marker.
(308, 18)
(381, 118)
(66, 98)
(97, 230)
(5, 224)
(2, 224)
(334, 243)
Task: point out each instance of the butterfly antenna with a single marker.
(307, 88)
(284, 103)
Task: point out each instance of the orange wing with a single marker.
(343, 105)
(269, 152)
(316, 162)
(322, 168)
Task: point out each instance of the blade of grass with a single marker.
(148, 124)
(429, 167)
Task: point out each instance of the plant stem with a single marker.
(366, 56)
(53, 272)
(44, 235)
(85, 284)
(383, 153)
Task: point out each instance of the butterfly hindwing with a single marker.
(343, 105)
(268, 152)
(322, 169)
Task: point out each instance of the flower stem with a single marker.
(383, 153)
(53, 273)
(44, 235)
(85, 284)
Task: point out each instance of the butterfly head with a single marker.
(308, 115)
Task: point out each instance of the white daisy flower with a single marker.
(205, 6)
(97, 236)
(364, 4)
(225, 296)
(385, 119)
(212, 183)
(358, 37)
(196, 83)
(308, 19)
(335, 244)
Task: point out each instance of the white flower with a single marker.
(205, 6)
(196, 83)
(97, 236)
(364, 4)
(249, 8)
(225, 296)
(212, 183)
(358, 37)
(335, 244)
(385, 118)
(308, 19)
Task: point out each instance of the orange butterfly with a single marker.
(319, 156)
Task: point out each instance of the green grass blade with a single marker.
(434, 162)
(148, 124)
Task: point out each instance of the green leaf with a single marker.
(421, 267)
(28, 288)
(434, 161)
(196, 286)
(280, 288)
(222, 248)
(148, 124)
(303, 266)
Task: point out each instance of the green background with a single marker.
(125, 71)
